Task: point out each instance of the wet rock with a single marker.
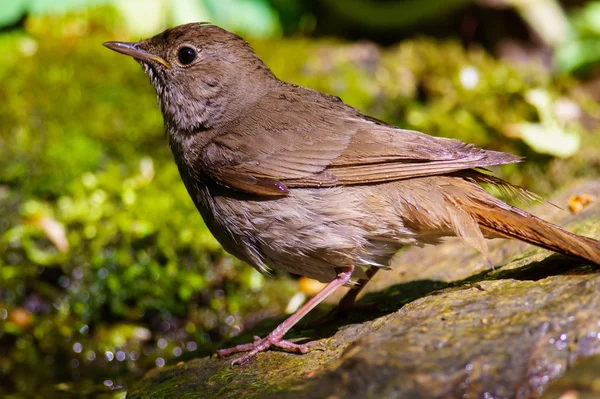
(442, 323)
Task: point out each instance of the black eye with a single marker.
(186, 55)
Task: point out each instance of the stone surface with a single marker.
(442, 323)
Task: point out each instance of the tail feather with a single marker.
(512, 222)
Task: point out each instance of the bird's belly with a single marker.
(311, 232)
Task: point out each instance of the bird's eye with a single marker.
(186, 55)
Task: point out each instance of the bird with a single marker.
(292, 179)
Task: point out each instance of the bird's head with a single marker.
(203, 75)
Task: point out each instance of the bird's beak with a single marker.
(133, 50)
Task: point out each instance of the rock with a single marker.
(442, 323)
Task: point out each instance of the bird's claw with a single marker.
(261, 345)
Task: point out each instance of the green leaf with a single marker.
(11, 11)
(554, 140)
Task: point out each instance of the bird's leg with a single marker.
(275, 338)
(347, 302)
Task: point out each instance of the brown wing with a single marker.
(301, 138)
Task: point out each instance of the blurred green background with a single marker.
(106, 269)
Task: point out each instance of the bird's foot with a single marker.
(261, 345)
(275, 338)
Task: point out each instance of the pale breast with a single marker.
(311, 232)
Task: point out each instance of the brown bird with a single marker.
(289, 178)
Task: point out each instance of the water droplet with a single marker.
(165, 326)
(160, 362)
(121, 356)
(191, 346)
(77, 347)
(77, 273)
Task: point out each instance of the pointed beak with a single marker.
(132, 49)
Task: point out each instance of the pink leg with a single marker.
(275, 338)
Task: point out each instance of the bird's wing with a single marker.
(323, 143)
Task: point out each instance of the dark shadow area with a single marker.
(553, 265)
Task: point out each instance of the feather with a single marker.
(339, 147)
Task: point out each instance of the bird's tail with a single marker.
(511, 222)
